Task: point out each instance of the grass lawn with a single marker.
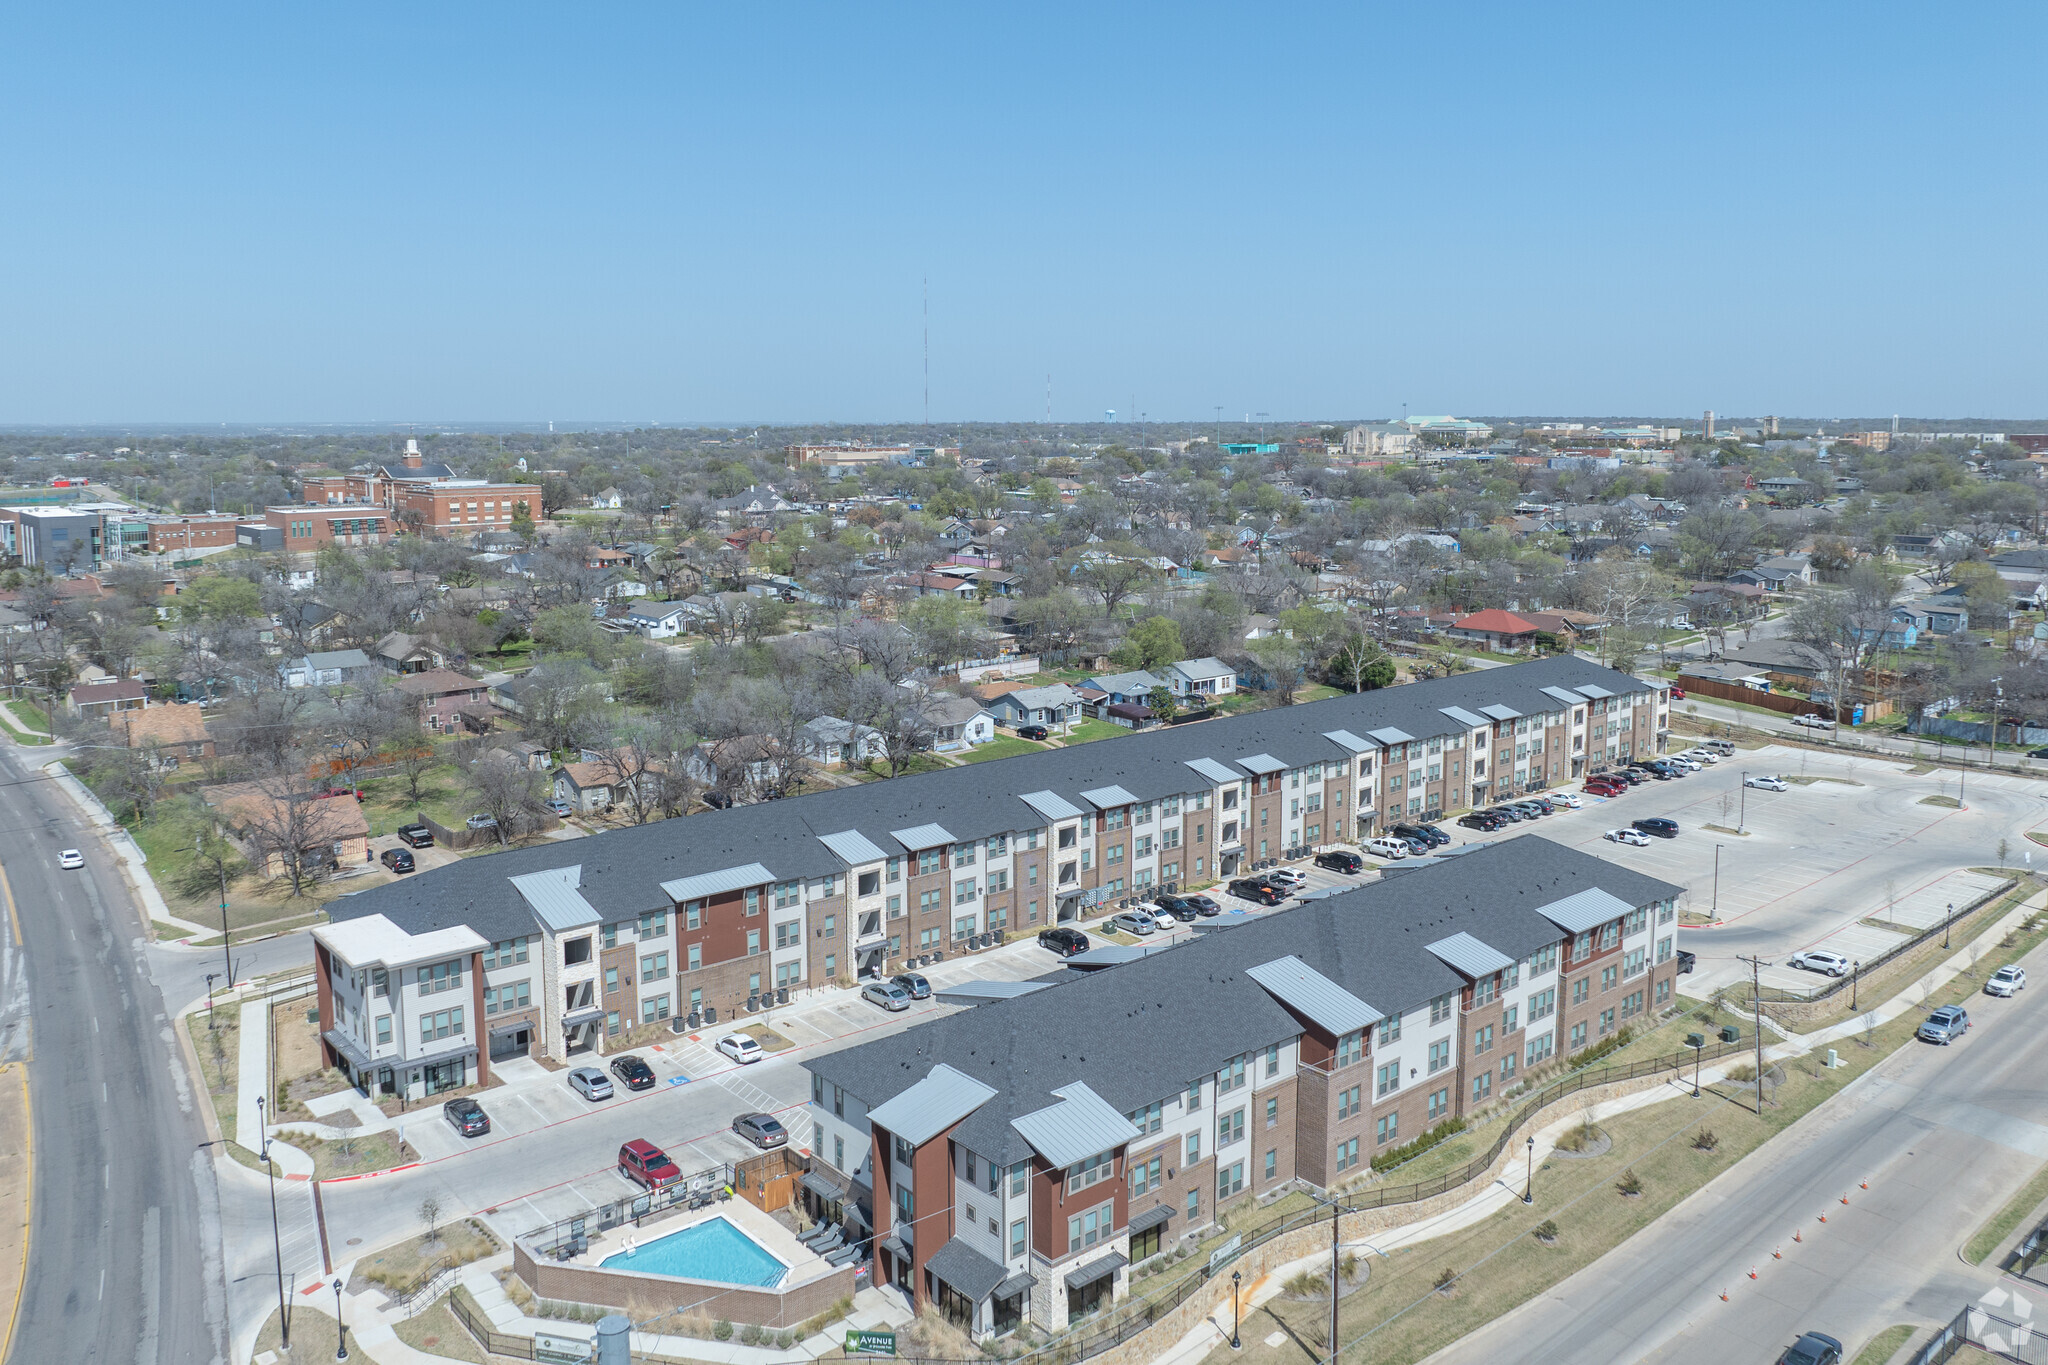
(400, 1266)
(353, 1155)
(220, 1060)
(439, 1332)
(314, 1335)
(1884, 1345)
(2001, 1224)
(1007, 747)
(387, 806)
(31, 715)
(1318, 692)
(1407, 1318)
(251, 902)
(1088, 731)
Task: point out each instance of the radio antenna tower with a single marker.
(927, 350)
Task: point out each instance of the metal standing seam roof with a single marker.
(1214, 771)
(934, 1104)
(1593, 690)
(1588, 909)
(1095, 1270)
(1079, 1126)
(1156, 1216)
(715, 883)
(922, 837)
(1347, 739)
(1051, 805)
(1102, 798)
(1387, 734)
(1308, 992)
(1499, 712)
(977, 992)
(1462, 716)
(1262, 764)
(1569, 699)
(554, 898)
(1469, 956)
(856, 848)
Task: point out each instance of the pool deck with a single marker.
(777, 1240)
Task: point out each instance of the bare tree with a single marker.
(289, 828)
(508, 791)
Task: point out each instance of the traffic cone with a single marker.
(1864, 1186)
(1724, 1296)
(1823, 1218)
(1752, 1272)
(1845, 1199)
(1797, 1237)
(1778, 1255)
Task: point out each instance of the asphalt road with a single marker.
(123, 1261)
(1942, 1135)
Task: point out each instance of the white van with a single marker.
(1723, 747)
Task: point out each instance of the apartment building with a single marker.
(730, 907)
(1014, 1184)
(173, 535)
(305, 529)
(420, 493)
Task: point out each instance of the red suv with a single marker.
(1606, 786)
(643, 1163)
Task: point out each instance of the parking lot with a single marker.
(1845, 859)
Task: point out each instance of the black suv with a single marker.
(467, 1115)
(1659, 826)
(1428, 834)
(1252, 889)
(416, 836)
(914, 985)
(397, 859)
(636, 1074)
(1065, 942)
(1180, 907)
(1483, 820)
(1340, 860)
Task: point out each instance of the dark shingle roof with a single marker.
(1138, 1032)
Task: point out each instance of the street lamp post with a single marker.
(340, 1327)
(1529, 1190)
(1237, 1310)
(1698, 1050)
(1742, 798)
(1855, 979)
(211, 977)
(227, 956)
(284, 1319)
(1716, 912)
(1947, 919)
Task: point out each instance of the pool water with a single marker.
(712, 1250)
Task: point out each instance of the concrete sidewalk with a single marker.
(252, 1075)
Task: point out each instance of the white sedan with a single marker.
(1763, 782)
(71, 860)
(1569, 800)
(740, 1048)
(1628, 836)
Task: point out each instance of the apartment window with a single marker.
(1439, 1009)
(788, 973)
(446, 976)
(1439, 1055)
(999, 881)
(963, 855)
(383, 1028)
(1088, 1171)
(1542, 1004)
(1663, 950)
(696, 956)
(1194, 1149)
(1388, 1079)
(516, 996)
(654, 967)
(1482, 1086)
(963, 892)
(1663, 992)
(1538, 1049)
(895, 907)
(611, 940)
(753, 900)
(653, 1009)
(1347, 1154)
(1349, 1103)
(753, 942)
(1387, 1129)
(1272, 1059)
(963, 928)
(1390, 1030)
(789, 933)
(1113, 854)
(1230, 1077)
(440, 1024)
(693, 915)
(505, 953)
(1351, 1048)
(1578, 1036)
(831, 966)
(1582, 946)
(1148, 1119)
(1272, 1163)
(1482, 1039)
(1509, 1019)
(1017, 1238)
(654, 925)
(1482, 992)
(611, 1024)
(1229, 1180)
(1507, 1068)
(1020, 1177)
(1581, 989)
(895, 870)
(1439, 1103)
(380, 984)
(1194, 1206)
(1273, 1113)
(1608, 976)
(928, 862)
(1145, 1175)
(1096, 1225)
(1231, 1128)
(1633, 961)
(1194, 1096)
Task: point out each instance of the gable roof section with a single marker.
(853, 846)
(930, 1107)
(1314, 996)
(717, 883)
(1051, 805)
(555, 900)
(1588, 909)
(1102, 798)
(1348, 740)
(1078, 1127)
(1262, 764)
(1468, 955)
(1464, 717)
(922, 837)
(1214, 771)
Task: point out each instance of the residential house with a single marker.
(1136, 686)
(740, 764)
(266, 825)
(957, 723)
(1902, 631)
(99, 700)
(1054, 705)
(171, 734)
(834, 743)
(1501, 631)
(597, 781)
(331, 668)
(927, 584)
(608, 500)
(403, 653)
(449, 701)
(664, 620)
(1200, 680)
(1130, 715)
(1570, 627)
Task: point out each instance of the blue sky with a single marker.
(685, 213)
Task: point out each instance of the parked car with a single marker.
(1813, 1348)
(561, 809)
(590, 1083)
(1628, 836)
(1702, 754)
(1568, 800)
(1657, 774)
(1204, 906)
(1661, 826)
(636, 1074)
(1182, 908)
(1133, 922)
(643, 1163)
(914, 985)
(1678, 694)
(1033, 732)
(1430, 835)
(415, 836)
(1631, 776)
(1814, 722)
(1287, 878)
(1534, 810)
(397, 859)
(1765, 782)
(1827, 964)
(1162, 918)
(2007, 981)
(2037, 753)
(71, 860)
(1609, 790)
(1063, 941)
(1482, 821)
(1251, 889)
(763, 1130)
(1945, 1025)
(467, 1115)
(1386, 846)
(887, 994)
(483, 822)
(1341, 860)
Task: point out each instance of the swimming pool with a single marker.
(712, 1250)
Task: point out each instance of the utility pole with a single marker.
(1756, 1000)
(1716, 912)
(1334, 1209)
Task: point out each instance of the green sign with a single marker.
(871, 1343)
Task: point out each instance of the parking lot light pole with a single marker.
(1716, 913)
(1529, 1190)
(1946, 920)
(340, 1327)
(1742, 809)
(284, 1319)
(1237, 1310)
(1698, 1050)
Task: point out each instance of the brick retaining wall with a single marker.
(646, 1296)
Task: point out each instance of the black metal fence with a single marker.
(2030, 1252)
(1946, 1343)
(490, 1338)
(568, 1236)
(1842, 983)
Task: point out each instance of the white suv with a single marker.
(1391, 849)
(2006, 981)
(1827, 964)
